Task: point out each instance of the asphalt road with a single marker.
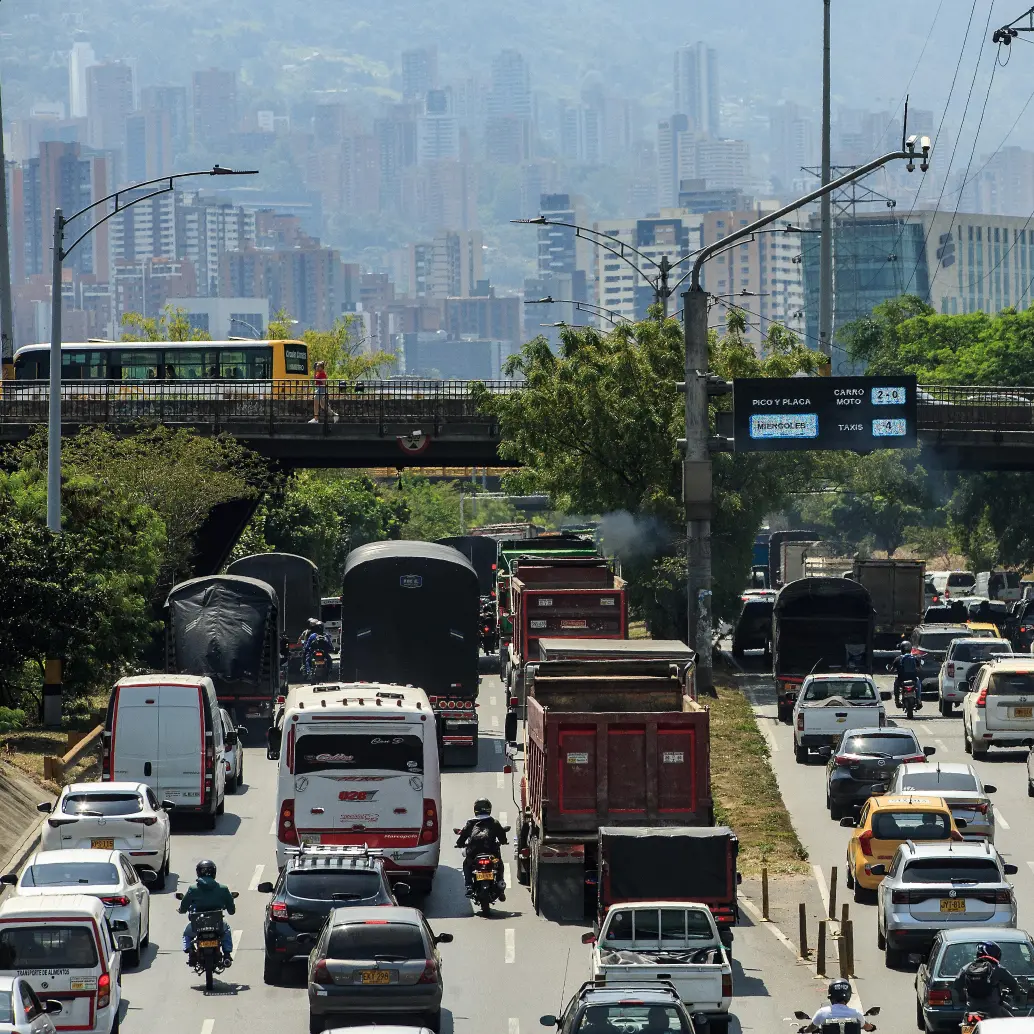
(500, 973)
(803, 789)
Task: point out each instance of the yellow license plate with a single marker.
(484, 875)
(953, 904)
(375, 976)
(103, 844)
(1022, 712)
(968, 1028)
(208, 944)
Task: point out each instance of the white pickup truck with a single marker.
(828, 704)
(675, 942)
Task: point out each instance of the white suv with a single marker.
(999, 708)
(962, 655)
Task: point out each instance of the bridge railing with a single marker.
(247, 402)
(955, 407)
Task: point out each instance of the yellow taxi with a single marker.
(884, 824)
(984, 629)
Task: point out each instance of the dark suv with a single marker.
(929, 646)
(316, 880)
(633, 1008)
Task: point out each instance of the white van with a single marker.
(952, 584)
(359, 765)
(165, 731)
(65, 948)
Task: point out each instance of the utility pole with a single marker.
(826, 240)
(6, 309)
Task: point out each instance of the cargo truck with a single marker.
(819, 625)
(607, 743)
(896, 588)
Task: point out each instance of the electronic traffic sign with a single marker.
(851, 413)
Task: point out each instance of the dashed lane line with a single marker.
(256, 877)
(498, 746)
(492, 701)
(1000, 819)
(510, 951)
(940, 744)
(272, 828)
(207, 1026)
(237, 935)
(1030, 865)
(513, 1025)
(506, 875)
(495, 721)
(820, 879)
(499, 780)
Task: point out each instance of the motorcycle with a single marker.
(207, 942)
(488, 626)
(487, 884)
(320, 664)
(836, 1026)
(911, 700)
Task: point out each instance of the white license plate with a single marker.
(311, 838)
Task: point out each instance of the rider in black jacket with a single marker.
(982, 982)
(482, 835)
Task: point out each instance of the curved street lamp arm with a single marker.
(582, 231)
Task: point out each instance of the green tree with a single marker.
(342, 348)
(171, 325)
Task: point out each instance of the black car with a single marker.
(864, 759)
(316, 880)
(1023, 626)
(753, 629)
(634, 1009)
(929, 646)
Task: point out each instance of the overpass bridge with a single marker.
(434, 423)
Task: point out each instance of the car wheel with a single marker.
(978, 752)
(231, 783)
(881, 942)
(433, 1020)
(163, 871)
(131, 959)
(920, 1018)
(272, 971)
(861, 895)
(222, 805)
(146, 939)
(836, 811)
(891, 957)
(115, 1026)
(946, 708)
(967, 743)
(1030, 788)
(240, 774)
(800, 753)
(849, 874)
(315, 1024)
(718, 1025)
(209, 819)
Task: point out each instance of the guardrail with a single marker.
(78, 745)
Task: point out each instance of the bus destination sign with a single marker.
(858, 414)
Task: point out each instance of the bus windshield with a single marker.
(346, 752)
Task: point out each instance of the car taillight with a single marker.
(278, 910)
(845, 760)
(864, 843)
(951, 669)
(1023, 628)
(209, 760)
(800, 721)
(1003, 897)
(899, 897)
(430, 973)
(60, 822)
(913, 759)
(429, 825)
(103, 991)
(982, 698)
(321, 975)
(286, 832)
(143, 820)
(118, 899)
(727, 985)
(942, 997)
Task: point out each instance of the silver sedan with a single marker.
(962, 789)
(22, 1012)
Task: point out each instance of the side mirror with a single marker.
(148, 875)
(961, 823)
(885, 694)
(265, 888)
(403, 888)
(874, 1011)
(168, 805)
(11, 879)
(52, 1007)
(798, 1015)
(126, 943)
(739, 878)
(120, 926)
(46, 807)
(242, 730)
(549, 1021)
(929, 751)
(179, 895)
(235, 895)
(824, 752)
(274, 737)
(878, 870)
(510, 727)
(230, 739)
(588, 938)
(988, 788)
(1010, 869)
(443, 938)
(877, 790)
(848, 822)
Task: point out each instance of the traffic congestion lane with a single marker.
(803, 790)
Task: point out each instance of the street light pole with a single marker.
(826, 217)
(60, 254)
(696, 481)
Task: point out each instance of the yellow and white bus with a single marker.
(167, 361)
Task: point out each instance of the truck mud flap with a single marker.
(558, 880)
(459, 751)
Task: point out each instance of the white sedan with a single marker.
(108, 875)
(233, 752)
(22, 1012)
(111, 817)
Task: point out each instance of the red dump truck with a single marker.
(561, 597)
(607, 743)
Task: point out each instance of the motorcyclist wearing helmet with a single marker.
(839, 994)
(904, 667)
(983, 983)
(207, 895)
(315, 638)
(482, 835)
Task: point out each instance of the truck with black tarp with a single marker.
(296, 580)
(607, 743)
(819, 625)
(227, 627)
(409, 615)
(483, 553)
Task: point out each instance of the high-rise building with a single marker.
(1003, 186)
(109, 100)
(148, 145)
(696, 87)
(449, 266)
(146, 230)
(581, 133)
(485, 316)
(437, 130)
(561, 250)
(214, 105)
(419, 72)
(80, 59)
(508, 130)
(670, 134)
(722, 164)
(791, 147)
(542, 319)
(224, 318)
(206, 229)
(173, 101)
(146, 285)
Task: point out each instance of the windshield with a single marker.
(370, 940)
(1017, 958)
(1011, 684)
(70, 874)
(848, 690)
(344, 752)
(911, 825)
(934, 780)
(940, 640)
(655, 926)
(6, 1007)
(630, 1016)
(323, 886)
(948, 870)
(961, 579)
(882, 743)
(102, 803)
(47, 947)
(968, 652)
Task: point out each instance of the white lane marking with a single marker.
(492, 700)
(923, 727)
(506, 874)
(495, 721)
(207, 1026)
(498, 746)
(513, 1025)
(256, 877)
(237, 935)
(773, 743)
(510, 952)
(820, 879)
(499, 780)
(940, 744)
(272, 828)
(1000, 819)
(502, 818)
(1030, 865)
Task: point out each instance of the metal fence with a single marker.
(240, 403)
(953, 407)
